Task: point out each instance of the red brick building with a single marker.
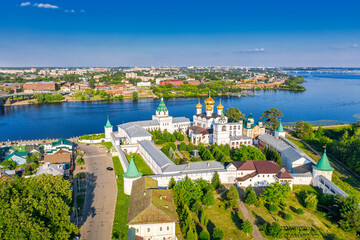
(174, 82)
(40, 87)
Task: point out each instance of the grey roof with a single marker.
(53, 169)
(307, 174)
(213, 115)
(147, 123)
(234, 138)
(134, 130)
(181, 120)
(156, 154)
(273, 142)
(195, 167)
(285, 147)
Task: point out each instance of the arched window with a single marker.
(224, 128)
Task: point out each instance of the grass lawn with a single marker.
(310, 218)
(226, 220)
(122, 204)
(140, 164)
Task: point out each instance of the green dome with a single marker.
(250, 116)
(162, 107)
(132, 171)
(324, 164)
(108, 124)
(280, 128)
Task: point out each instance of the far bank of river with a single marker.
(331, 97)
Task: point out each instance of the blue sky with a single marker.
(179, 33)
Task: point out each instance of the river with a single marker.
(330, 98)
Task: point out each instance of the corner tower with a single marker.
(108, 129)
(323, 168)
(130, 176)
(280, 131)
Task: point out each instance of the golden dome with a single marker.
(199, 106)
(220, 106)
(209, 108)
(209, 101)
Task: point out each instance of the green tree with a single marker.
(247, 227)
(172, 183)
(311, 201)
(272, 154)
(135, 96)
(276, 193)
(204, 235)
(275, 230)
(182, 146)
(208, 199)
(304, 130)
(271, 117)
(234, 114)
(218, 233)
(248, 153)
(190, 147)
(232, 196)
(215, 181)
(36, 208)
(92, 83)
(250, 196)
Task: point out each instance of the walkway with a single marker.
(247, 215)
(101, 192)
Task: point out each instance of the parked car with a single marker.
(109, 168)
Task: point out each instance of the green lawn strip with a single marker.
(122, 204)
(310, 218)
(226, 220)
(140, 164)
(339, 179)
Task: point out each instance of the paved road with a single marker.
(247, 215)
(101, 194)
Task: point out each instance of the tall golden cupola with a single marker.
(209, 108)
(220, 106)
(210, 101)
(199, 106)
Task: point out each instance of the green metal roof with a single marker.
(280, 128)
(323, 164)
(162, 106)
(61, 141)
(108, 124)
(251, 116)
(19, 154)
(132, 171)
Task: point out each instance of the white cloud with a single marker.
(82, 10)
(354, 45)
(255, 50)
(70, 11)
(45, 5)
(24, 4)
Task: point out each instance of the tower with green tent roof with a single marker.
(108, 129)
(323, 167)
(132, 173)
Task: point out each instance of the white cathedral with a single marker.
(211, 127)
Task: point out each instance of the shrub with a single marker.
(197, 207)
(299, 211)
(195, 159)
(273, 208)
(288, 217)
(204, 235)
(181, 137)
(275, 230)
(173, 146)
(160, 142)
(311, 201)
(218, 234)
(263, 227)
(182, 146)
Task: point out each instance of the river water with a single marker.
(330, 98)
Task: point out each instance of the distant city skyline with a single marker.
(83, 33)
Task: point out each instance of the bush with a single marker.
(204, 235)
(311, 201)
(195, 159)
(173, 146)
(273, 208)
(288, 217)
(80, 161)
(160, 142)
(299, 211)
(263, 227)
(182, 146)
(197, 207)
(218, 234)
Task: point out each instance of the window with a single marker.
(148, 229)
(137, 230)
(168, 228)
(160, 229)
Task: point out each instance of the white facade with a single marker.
(157, 231)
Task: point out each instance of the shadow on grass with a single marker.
(259, 220)
(236, 219)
